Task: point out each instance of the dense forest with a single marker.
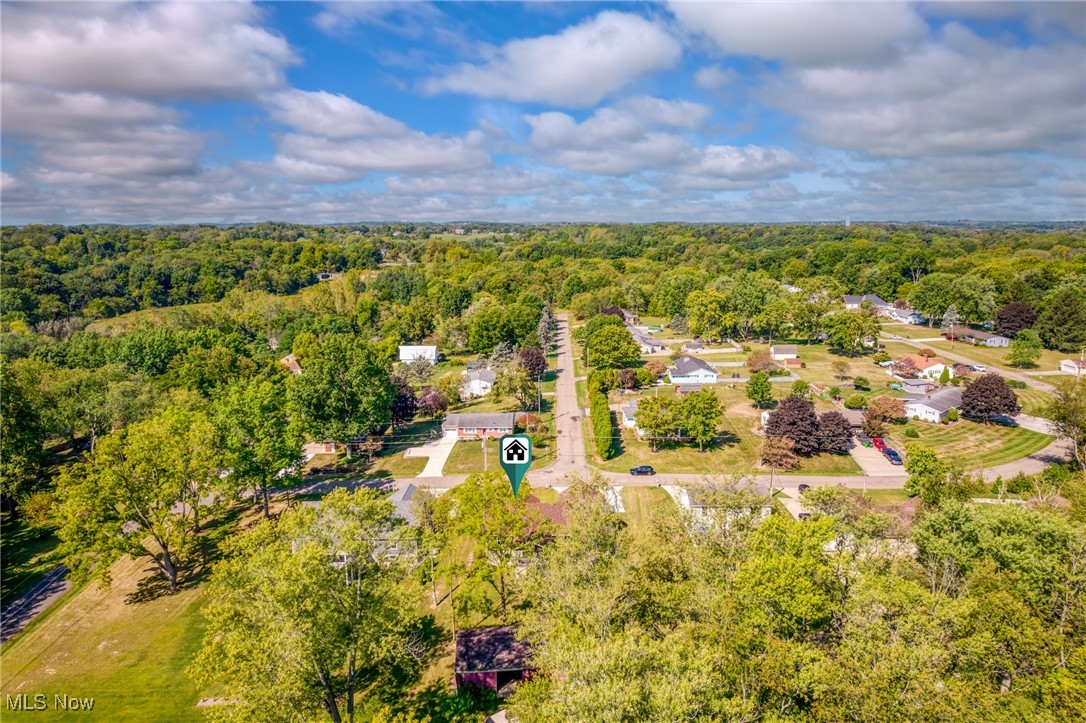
(141, 378)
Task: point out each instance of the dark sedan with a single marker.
(642, 470)
(892, 456)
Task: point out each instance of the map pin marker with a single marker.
(515, 456)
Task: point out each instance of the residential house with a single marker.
(917, 386)
(291, 362)
(478, 425)
(689, 370)
(935, 406)
(694, 347)
(477, 383)
(404, 502)
(981, 338)
(629, 317)
(872, 300)
(906, 314)
(781, 352)
(648, 344)
(418, 353)
(491, 658)
(1073, 366)
(683, 389)
(628, 411)
(703, 509)
(929, 367)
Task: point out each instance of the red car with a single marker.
(879, 444)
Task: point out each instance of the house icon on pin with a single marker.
(514, 452)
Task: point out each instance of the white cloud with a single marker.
(674, 113)
(322, 160)
(154, 50)
(713, 76)
(92, 135)
(331, 115)
(805, 33)
(961, 96)
(577, 67)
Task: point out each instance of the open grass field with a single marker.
(996, 357)
(970, 443)
(129, 656)
(27, 556)
(736, 448)
(165, 316)
(887, 497)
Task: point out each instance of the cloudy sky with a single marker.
(757, 111)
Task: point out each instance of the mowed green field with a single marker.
(129, 656)
(970, 443)
(642, 503)
(997, 357)
(26, 555)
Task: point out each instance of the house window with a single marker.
(468, 430)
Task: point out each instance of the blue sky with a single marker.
(369, 111)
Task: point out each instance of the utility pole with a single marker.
(484, 453)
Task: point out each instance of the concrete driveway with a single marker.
(438, 453)
(873, 463)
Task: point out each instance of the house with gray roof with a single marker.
(934, 407)
(872, 300)
(645, 341)
(478, 425)
(691, 370)
(477, 383)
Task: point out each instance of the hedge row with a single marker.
(601, 425)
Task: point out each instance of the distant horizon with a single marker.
(712, 112)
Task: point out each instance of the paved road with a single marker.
(19, 612)
(570, 455)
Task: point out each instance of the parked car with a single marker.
(979, 368)
(864, 440)
(642, 470)
(892, 456)
(879, 443)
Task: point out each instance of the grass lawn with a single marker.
(26, 556)
(996, 357)
(887, 497)
(971, 443)
(736, 449)
(641, 504)
(1033, 401)
(467, 457)
(907, 331)
(163, 316)
(130, 657)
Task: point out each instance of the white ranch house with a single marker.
(688, 370)
(783, 352)
(1073, 366)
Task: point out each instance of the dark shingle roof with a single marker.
(942, 400)
(488, 649)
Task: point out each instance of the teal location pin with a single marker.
(515, 456)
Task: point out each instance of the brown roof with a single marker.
(923, 362)
(483, 650)
(553, 511)
(291, 362)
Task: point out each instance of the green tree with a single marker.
(659, 417)
(260, 439)
(709, 314)
(612, 347)
(139, 493)
(701, 413)
(759, 389)
(346, 390)
(1026, 348)
(975, 298)
(21, 435)
(852, 331)
(1067, 411)
(307, 610)
(515, 381)
(932, 294)
(1062, 321)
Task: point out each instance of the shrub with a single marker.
(952, 415)
(880, 357)
(912, 433)
(1016, 384)
(856, 401)
(602, 429)
(861, 383)
(835, 392)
